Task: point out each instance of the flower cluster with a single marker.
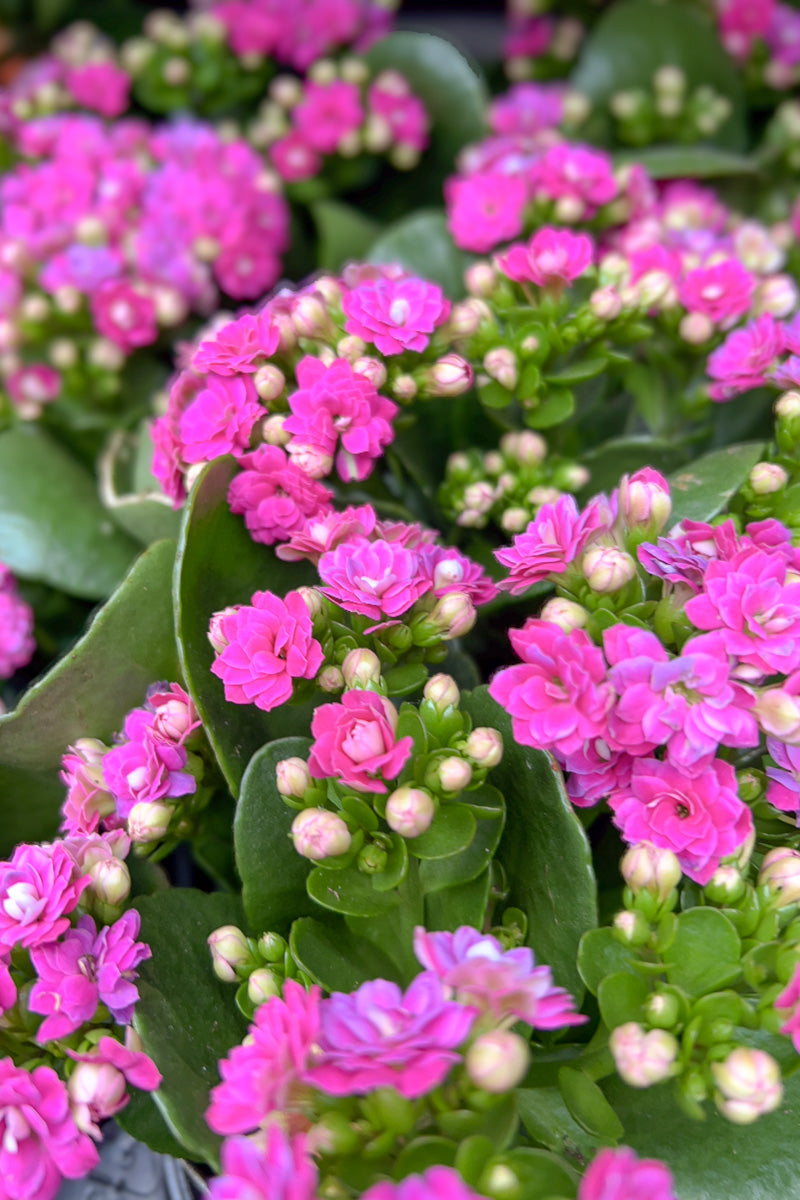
(17, 644)
(764, 36)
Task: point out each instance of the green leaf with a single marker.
(578, 371)
(702, 489)
(219, 564)
(544, 849)
(621, 997)
(273, 874)
(53, 528)
(600, 954)
(558, 406)
(345, 233)
(460, 904)
(349, 892)
(131, 493)
(688, 162)
(129, 645)
(436, 874)
(422, 244)
(142, 1119)
(186, 1017)
(588, 1105)
(542, 1174)
(424, 1152)
(548, 1121)
(609, 461)
(451, 830)
(336, 958)
(705, 952)
(632, 40)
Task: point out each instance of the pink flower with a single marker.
(124, 315)
(33, 385)
(249, 264)
(239, 347)
(551, 257)
(335, 405)
(145, 767)
(282, 1170)
(39, 1141)
(269, 645)
(405, 114)
(38, 887)
(502, 983)
(327, 530)
(568, 169)
(102, 87)
(137, 1067)
(594, 772)
(220, 419)
(783, 789)
(251, 28)
(84, 970)
(527, 108)
(556, 537)
(381, 1037)
(485, 209)
(451, 571)
(293, 159)
(328, 113)
(756, 608)
(619, 1175)
(88, 799)
(788, 1006)
(275, 496)
(437, 1183)
(741, 22)
(176, 716)
(395, 315)
(263, 1076)
(17, 643)
(745, 357)
(355, 742)
(559, 697)
(722, 292)
(700, 818)
(377, 579)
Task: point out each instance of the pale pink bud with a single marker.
(454, 615)
(148, 821)
(176, 71)
(607, 569)
(262, 986)
(313, 600)
(273, 432)
(310, 317)
(171, 307)
(293, 778)
(91, 750)
(454, 774)
(372, 369)
(310, 459)
(484, 746)
(526, 447)
(409, 811)
(501, 364)
(565, 613)
(776, 295)
(479, 496)
(644, 501)
(605, 303)
(514, 520)
(654, 288)
(229, 950)
(450, 375)
(361, 668)
(497, 1061)
(111, 881)
(543, 495)
(631, 928)
(404, 388)
(96, 1090)
(725, 886)
(767, 477)
(442, 691)
(318, 834)
(269, 382)
(696, 328)
(641, 1058)
(330, 679)
(780, 872)
(351, 347)
(749, 1085)
(778, 713)
(569, 209)
(649, 868)
(493, 462)
(480, 279)
(215, 632)
(465, 319)
(787, 406)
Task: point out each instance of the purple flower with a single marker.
(395, 315)
(437, 1183)
(619, 1175)
(743, 360)
(502, 983)
(38, 887)
(594, 772)
(282, 1170)
(783, 790)
(557, 535)
(380, 1037)
(376, 579)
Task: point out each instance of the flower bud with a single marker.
(778, 713)
(648, 868)
(450, 375)
(465, 318)
(479, 496)
(454, 615)
(515, 519)
(269, 382)
(484, 746)
(96, 1090)
(696, 328)
(501, 364)
(361, 668)
(605, 303)
(749, 1085)
(631, 928)
(330, 679)
(310, 459)
(215, 633)
(565, 613)
(442, 692)
(293, 778)
(497, 1061)
(262, 986)
(451, 774)
(148, 821)
(404, 388)
(776, 295)
(319, 834)
(641, 1058)
(644, 501)
(111, 881)
(787, 406)
(607, 568)
(725, 886)
(662, 1010)
(372, 369)
(273, 431)
(780, 872)
(409, 811)
(525, 446)
(229, 950)
(310, 317)
(372, 859)
(480, 279)
(767, 477)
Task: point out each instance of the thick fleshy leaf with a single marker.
(422, 244)
(131, 493)
(129, 645)
(548, 1121)
(621, 997)
(451, 830)
(350, 892)
(461, 904)
(219, 564)
(186, 1017)
(705, 953)
(273, 874)
(703, 488)
(588, 1105)
(53, 528)
(337, 959)
(544, 849)
(609, 461)
(601, 954)
(689, 162)
(345, 233)
(437, 874)
(142, 1119)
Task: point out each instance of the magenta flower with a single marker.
(220, 419)
(336, 406)
(569, 169)
(176, 716)
(376, 579)
(723, 292)
(38, 887)
(275, 496)
(328, 113)
(83, 970)
(282, 1170)
(559, 697)
(756, 608)
(788, 1006)
(40, 1144)
(381, 1037)
(326, 530)
(552, 257)
(594, 772)
(33, 385)
(263, 1076)
(451, 571)
(395, 315)
(102, 87)
(783, 789)
(239, 347)
(699, 817)
(743, 360)
(556, 537)
(17, 643)
(269, 645)
(485, 209)
(498, 982)
(355, 741)
(124, 315)
(619, 1175)
(136, 1066)
(146, 767)
(437, 1183)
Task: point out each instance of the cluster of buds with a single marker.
(259, 966)
(540, 46)
(669, 111)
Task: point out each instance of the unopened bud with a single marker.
(269, 382)
(111, 881)
(409, 811)
(780, 873)
(630, 928)
(641, 1058)
(607, 569)
(454, 615)
(361, 668)
(404, 388)
(148, 821)
(748, 1085)
(105, 354)
(292, 778)
(479, 496)
(605, 303)
(778, 713)
(310, 317)
(565, 613)
(262, 986)
(696, 328)
(777, 295)
(450, 375)
(644, 501)
(484, 746)
(97, 1090)
(525, 446)
(649, 868)
(351, 347)
(725, 886)
(787, 406)
(465, 318)
(515, 519)
(452, 774)
(372, 369)
(216, 635)
(767, 477)
(176, 71)
(372, 859)
(501, 364)
(330, 679)
(229, 950)
(480, 279)
(273, 431)
(497, 1061)
(442, 692)
(319, 834)
(662, 1010)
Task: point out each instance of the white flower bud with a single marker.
(497, 1061)
(749, 1085)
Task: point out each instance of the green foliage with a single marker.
(684, 162)
(588, 1106)
(344, 233)
(701, 490)
(421, 242)
(336, 958)
(705, 953)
